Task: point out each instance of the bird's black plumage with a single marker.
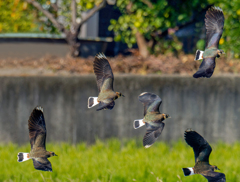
(151, 102)
(206, 68)
(214, 23)
(200, 146)
(103, 105)
(152, 133)
(37, 128)
(42, 164)
(103, 72)
(214, 176)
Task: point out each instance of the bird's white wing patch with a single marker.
(101, 55)
(138, 123)
(142, 93)
(92, 101)
(39, 108)
(199, 55)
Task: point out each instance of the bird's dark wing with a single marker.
(152, 134)
(103, 105)
(151, 102)
(206, 68)
(214, 176)
(42, 164)
(214, 23)
(200, 146)
(103, 72)
(37, 128)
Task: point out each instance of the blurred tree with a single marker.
(147, 22)
(230, 39)
(15, 16)
(66, 16)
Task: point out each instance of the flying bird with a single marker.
(104, 75)
(214, 23)
(153, 119)
(202, 151)
(37, 135)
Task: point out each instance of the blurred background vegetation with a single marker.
(150, 24)
(154, 22)
(16, 16)
(113, 160)
(20, 16)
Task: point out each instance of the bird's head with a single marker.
(220, 52)
(52, 154)
(119, 94)
(165, 116)
(215, 168)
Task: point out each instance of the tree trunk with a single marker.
(142, 45)
(74, 49)
(72, 39)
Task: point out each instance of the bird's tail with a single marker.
(188, 171)
(92, 101)
(138, 123)
(199, 55)
(23, 157)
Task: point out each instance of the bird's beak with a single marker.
(223, 52)
(56, 155)
(123, 96)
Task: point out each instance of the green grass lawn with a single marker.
(118, 162)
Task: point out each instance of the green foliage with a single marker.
(230, 40)
(167, 45)
(15, 16)
(19, 16)
(201, 44)
(148, 17)
(117, 162)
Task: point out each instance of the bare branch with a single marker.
(54, 6)
(129, 7)
(74, 11)
(91, 13)
(148, 3)
(58, 25)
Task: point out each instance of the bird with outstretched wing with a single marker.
(37, 136)
(202, 151)
(214, 23)
(153, 119)
(105, 78)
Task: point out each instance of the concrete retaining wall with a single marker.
(209, 106)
